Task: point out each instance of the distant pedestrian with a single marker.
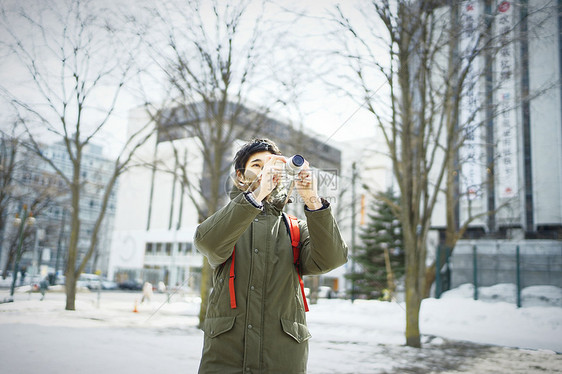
(161, 287)
(146, 292)
(43, 287)
(23, 271)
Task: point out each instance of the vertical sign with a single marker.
(471, 153)
(505, 134)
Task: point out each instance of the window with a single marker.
(169, 249)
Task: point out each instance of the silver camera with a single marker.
(294, 165)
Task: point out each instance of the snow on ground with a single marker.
(104, 334)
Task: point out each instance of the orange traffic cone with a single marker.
(135, 310)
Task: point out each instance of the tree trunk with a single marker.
(206, 285)
(70, 281)
(10, 254)
(70, 286)
(414, 282)
(413, 303)
(214, 202)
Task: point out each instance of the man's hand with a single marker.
(269, 177)
(307, 187)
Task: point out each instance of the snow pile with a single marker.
(493, 319)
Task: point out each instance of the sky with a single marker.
(105, 335)
(322, 109)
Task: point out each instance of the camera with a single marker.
(294, 165)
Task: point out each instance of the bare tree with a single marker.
(76, 64)
(425, 74)
(213, 63)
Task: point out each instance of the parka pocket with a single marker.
(295, 330)
(218, 325)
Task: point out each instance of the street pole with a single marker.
(59, 245)
(26, 218)
(353, 177)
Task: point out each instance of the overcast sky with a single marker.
(323, 109)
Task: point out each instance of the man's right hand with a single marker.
(269, 177)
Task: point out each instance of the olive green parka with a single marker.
(267, 331)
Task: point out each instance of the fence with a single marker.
(486, 263)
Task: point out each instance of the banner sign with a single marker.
(505, 123)
(471, 153)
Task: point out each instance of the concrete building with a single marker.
(44, 192)
(156, 218)
(513, 164)
(96, 170)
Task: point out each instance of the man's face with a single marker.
(253, 167)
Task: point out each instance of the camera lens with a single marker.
(297, 160)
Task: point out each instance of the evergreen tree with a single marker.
(382, 231)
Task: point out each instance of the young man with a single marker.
(255, 320)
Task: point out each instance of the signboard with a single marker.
(505, 123)
(471, 154)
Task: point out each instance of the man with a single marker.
(255, 320)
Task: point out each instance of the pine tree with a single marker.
(383, 230)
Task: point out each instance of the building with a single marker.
(38, 190)
(96, 170)
(45, 193)
(512, 166)
(510, 173)
(156, 217)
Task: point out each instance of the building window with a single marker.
(148, 249)
(158, 248)
(168, 249)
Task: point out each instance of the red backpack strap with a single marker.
(295, 233)
(231, 282)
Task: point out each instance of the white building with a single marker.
(156, 219)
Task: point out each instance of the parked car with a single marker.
(106, 284)
(90, 281)
(326, 292)
(130, 285)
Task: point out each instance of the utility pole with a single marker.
(353, 182)
(59, 245)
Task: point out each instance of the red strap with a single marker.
(295, 233)
(302, 292)
(295, 241)
(231, 283)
